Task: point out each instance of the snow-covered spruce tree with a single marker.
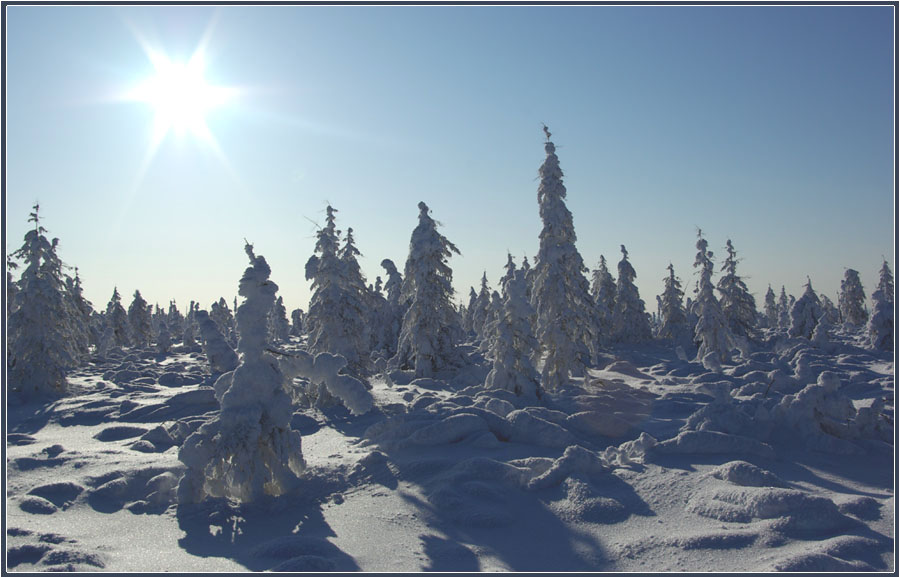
(393, 313)
(81, 311)
(881, 323)
(431, 328)
(852, 299)
(467, 318)
(509, 272)
(117, 321)
(297, 322)
(630, 321)
(771, 308)
(279, 326)
(481, 309)
(40, 344)
(163, 337)
(249, 449)
(560, 293)
(805, 313)
(737, 303)
(886, 281)
(224, 320)
(494, 311)
(784, 310)
(358, 294)
(513, 344)
(139, 321)
(831, 312)
(219, 354)
(337, 314)
(175, 320)
(190, 326)
(673, 318)
(11, 286)
(711, 332)
(603, 291)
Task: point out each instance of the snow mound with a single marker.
(61, 494)
(713, 442)
(746, 474)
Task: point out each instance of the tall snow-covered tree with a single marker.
(279, 326)
(224, 320)
(560, 293)
(468, 325)
(139, 321)
(673, 318)
(249, 449)
(297, 322)
(852, 300)
(784, 309)
(431, 328)
(831, 312)
(337, 315)
(805, 313)
(481, 309)
(886, 281)
(711, 332)
(771, 308)
(630, 321)
(881, 323)
(81, 311)
(394, 309)
(41, 347)
(357, 292)
(513, 344)
(509, 272)
(175, 319)
(603, 291)
(220, 356)
(737, 303)
(117, 321)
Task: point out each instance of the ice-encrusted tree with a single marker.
(394, 309)
(480, 311)
(711, 332)
(116, 321)
(603, 291)
(784, 309)
(224, 320)
(337, 316)
(881, 323)
(139, 321)
(175, 319)
(805, 313)
(673, 318)
(297, 322)
(359, 296)
(468, 325)
(279, 326)
(852, 299)
(832, 313)
(513, 344)
(886, 281)
(737, 302)
(40, 342)
(560, 293)
(188, 338)
(81, 311)
(771, 308)
(630, 321)
(509, 272)
(431, 328)
(219, 354)
(249, 449)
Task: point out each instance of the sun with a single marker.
(180, 97)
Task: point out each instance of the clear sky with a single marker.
(772, 126)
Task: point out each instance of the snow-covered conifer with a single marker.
(852, 299)
(431, 329)
(737, 303)
(175, 319)
(337, 316)
(163, 337)
(11, 286)
(881, 323)
(560, 292)
(249, 449)
(509, 273)
(603, 291)
(394, 309)
(219, 354)
(224, 320)
(630, 321)
(886, 282)
(190, 326)
(771, 308)
(494, 311)
(468, 324)
(513, 344)
(481, 309)
(279, 326)
(81, 312)
(711, 332)
(831, 312)
(805, 313)
(784, 309)
(673, 319)
(40, 340)
(297, 322)
(139, 321)
(117, 321)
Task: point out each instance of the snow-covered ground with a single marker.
(784, 462)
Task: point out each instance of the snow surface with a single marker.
(781, 462)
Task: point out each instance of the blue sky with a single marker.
(772, 126)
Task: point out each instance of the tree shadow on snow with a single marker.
(283, 534)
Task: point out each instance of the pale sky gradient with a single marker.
(773, 126)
